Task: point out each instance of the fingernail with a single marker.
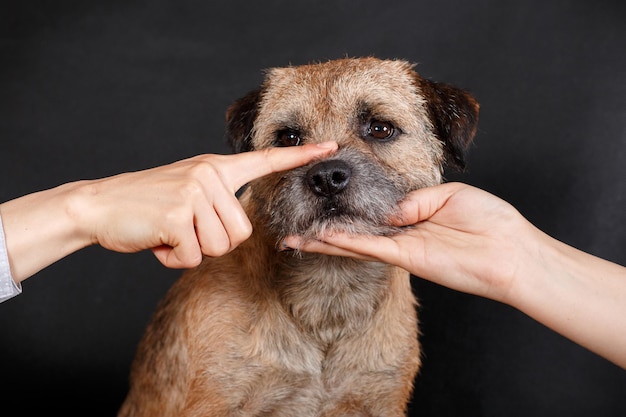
(327, 145)
(283, 247)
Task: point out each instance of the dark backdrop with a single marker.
(94, 88)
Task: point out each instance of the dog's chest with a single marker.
(332, 341)
(335, 299)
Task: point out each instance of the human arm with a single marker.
(472, 241)
(180, 211)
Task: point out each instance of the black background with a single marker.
(94, 88)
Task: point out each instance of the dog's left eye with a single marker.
(288, 137)
(380, 130)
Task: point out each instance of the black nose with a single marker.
(328, 178)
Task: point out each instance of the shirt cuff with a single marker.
(8, 287)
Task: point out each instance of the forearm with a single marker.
(578, 295)
(41, 228)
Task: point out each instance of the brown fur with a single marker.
(262, 332)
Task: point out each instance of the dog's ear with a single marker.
(454, 114)
(240, 118)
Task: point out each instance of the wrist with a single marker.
(531, 257)
(79, 210)
(41, 228)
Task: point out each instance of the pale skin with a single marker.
(472, 241)
(180, 211)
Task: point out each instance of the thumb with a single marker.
(422, 204)
(176, 257)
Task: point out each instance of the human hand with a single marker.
(457, 235)
(185, 209)
(469, 240)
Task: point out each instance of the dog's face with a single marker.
(395, 132)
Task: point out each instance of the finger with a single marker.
(221, 222)
(211, 233)
(244, 167)
(342, 244)
(183, 254)
(422, 204)
(234, 220)
(318, 246)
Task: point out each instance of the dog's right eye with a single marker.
(288, 137)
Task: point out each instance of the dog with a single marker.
(267, 332)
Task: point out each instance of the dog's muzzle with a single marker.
(349, 193)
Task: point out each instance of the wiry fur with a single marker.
(260, 332)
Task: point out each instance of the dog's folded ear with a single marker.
(454, 114)
(240, 118)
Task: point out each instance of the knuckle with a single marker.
(193, 261)
(242, 234)
(216, 247)
(191, 188)
(203, 169)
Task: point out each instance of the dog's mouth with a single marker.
(336, 217)
(332, 209)
(338, 213)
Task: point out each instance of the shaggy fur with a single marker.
(263, 332)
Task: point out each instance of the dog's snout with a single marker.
(328, 178)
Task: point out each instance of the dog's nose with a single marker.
(328, 178)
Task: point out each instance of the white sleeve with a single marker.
(8, 287)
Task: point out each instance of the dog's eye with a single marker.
(288, 137)
(380, 130)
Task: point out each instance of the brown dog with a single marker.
(263, 332)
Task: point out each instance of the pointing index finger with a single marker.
(251, 165)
